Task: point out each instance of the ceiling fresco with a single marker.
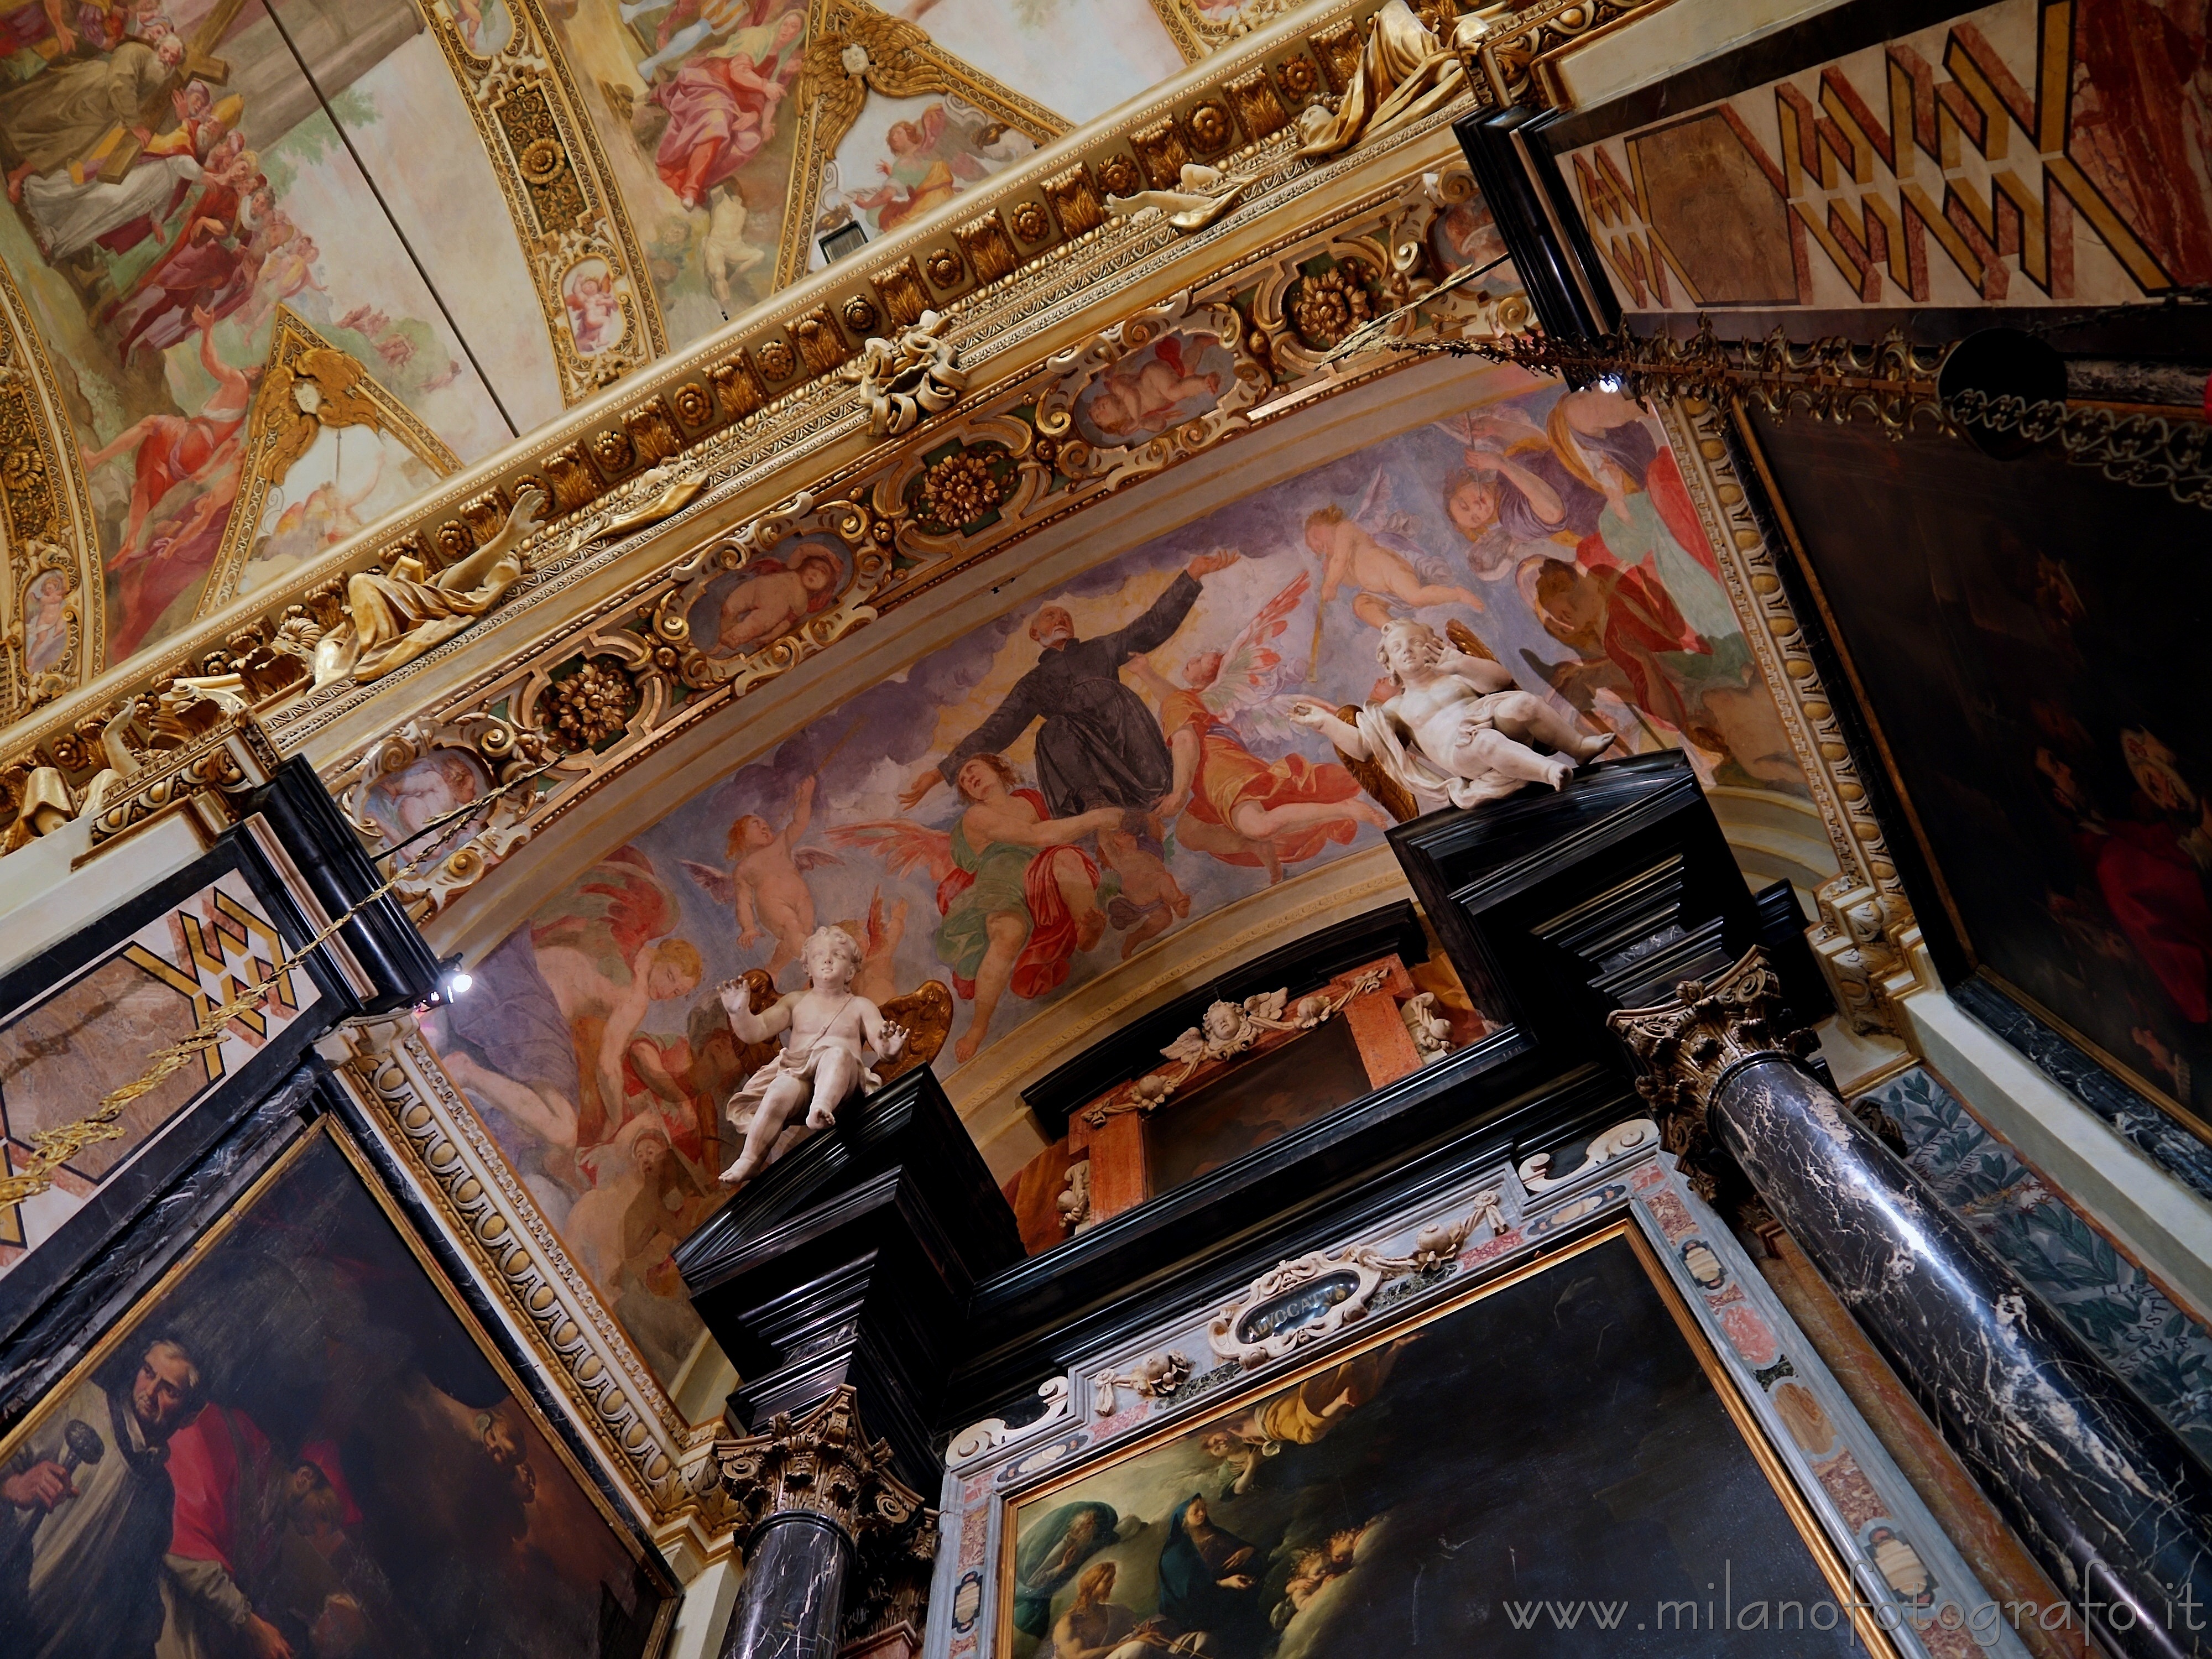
(471, 214)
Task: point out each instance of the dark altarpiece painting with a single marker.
(1558, 1441)
(298, 1441)
(2027, 636)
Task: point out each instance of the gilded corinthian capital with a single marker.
(1685, 1047)
(822, 1464)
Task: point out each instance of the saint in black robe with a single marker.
(1100, 745)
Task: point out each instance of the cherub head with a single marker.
(1052, 626)
(749, 835)
(1408, 647)
(1223, 1020)
(1321, 528)
(1110, 415)
(675, 970)
(1202, 670)
(984, 776)
(831, 957)
(905, 137)
(1471, 502)
(817, 570)
(2157, 772)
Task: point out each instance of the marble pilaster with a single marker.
(2111, 1504)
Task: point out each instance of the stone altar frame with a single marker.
(1484, 1231)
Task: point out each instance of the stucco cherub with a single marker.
(1459, 725)
(823, 1063)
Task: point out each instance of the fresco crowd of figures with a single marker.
(1043, 799)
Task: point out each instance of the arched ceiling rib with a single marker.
(493, 209)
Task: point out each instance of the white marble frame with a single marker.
(991, 1467)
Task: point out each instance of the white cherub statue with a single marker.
(1459, 726)
(822, 1064)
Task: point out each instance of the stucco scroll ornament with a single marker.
(1404, 73)
(756, 602)
(1228, 1030)
(1112, 368)
(993, 1432)
(393, 617)
(1202, 195)
(1459, 725)
(1156, 1377)
(905, 379)
(426, 771)
(1298, 1303)
(1615, 1143)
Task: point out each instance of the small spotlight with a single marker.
(456, 983)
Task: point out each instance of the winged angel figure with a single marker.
(1236, 807)
(1373, 549)
(766, 882)
(1017, 897)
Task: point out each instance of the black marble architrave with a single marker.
(2111, 1505)
(1560, 272)
(1310, 961)
(401, 968)
(852, 1259)
(1559, 907)
(798, 1564)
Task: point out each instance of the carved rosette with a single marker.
(822, 1464)
(1686, 1047)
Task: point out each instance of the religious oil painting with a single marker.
(695, 107)
(2031, 672)
(1255, 1104)
(739, 611)
(1029, 806)
(297, 1444)
(1560, 1441)
(154, 252)
(907, 155)
(1177, 378)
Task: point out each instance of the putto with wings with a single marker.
(1234, 806)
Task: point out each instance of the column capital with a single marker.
(823, 1464)
(1683, 1047)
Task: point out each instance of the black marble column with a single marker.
(811, 1493)
(793, 1603)
(2113, 1506)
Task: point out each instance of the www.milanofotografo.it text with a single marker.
(1721, 1611)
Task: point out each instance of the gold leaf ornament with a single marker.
(865, 52)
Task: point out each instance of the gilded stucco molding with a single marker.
(853, 51)
(53, 604)
(567, 207)
(308, 386)
(1866, 938)
(485, 1213)
(963, 487)
(759, 401)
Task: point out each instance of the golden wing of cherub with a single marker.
(927, 1013)
(1384, 790)
(1467, 641)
